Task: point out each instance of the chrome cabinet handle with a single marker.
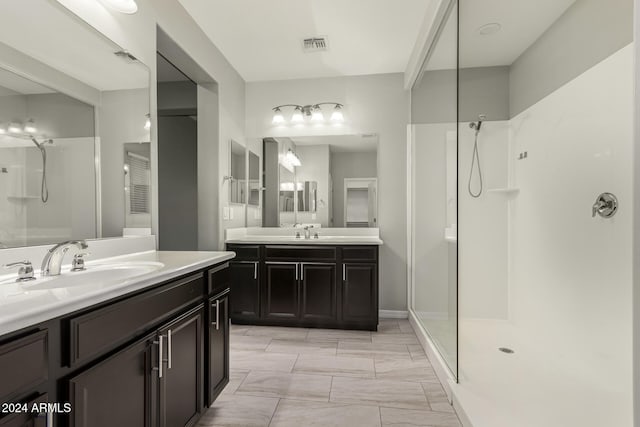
(50, 419)
(344, 272)
(302, 271)
(160, 355)
(217, 306)
(169, 349)
(297, 274)
(255, 270)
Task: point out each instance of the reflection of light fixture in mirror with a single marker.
(147, 123)
(292, 158)
(337, 115)
(3, 130)
(297, 115)
(124, 6)
(278, 118)
(14, 127)
(30, 127)
(313, 112)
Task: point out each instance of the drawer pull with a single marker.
(159, 342)
(217, 322)
(344, 272)
(255, 270)
(169, 349)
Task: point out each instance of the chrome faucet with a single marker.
(53, 259)
(307, 233)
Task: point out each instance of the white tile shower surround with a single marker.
(317, 377)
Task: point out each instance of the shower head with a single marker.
(478, 125)
(40, 145)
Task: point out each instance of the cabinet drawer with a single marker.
(106, 328)
(300, 253)
(360, 253)
(219, 278)
(24, 363)
(245, 252)
(29, 419)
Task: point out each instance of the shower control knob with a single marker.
(606, 205)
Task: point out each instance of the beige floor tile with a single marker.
(235, 379)
(248, 342)
(416, 351)
(387, 327)
(293, 413)
(302, 347)
(405, 370)
(337, 334)
(278, 384)
(399, 338)
(259, 360)
(406, 327)
(393, 417)
(278, 332)
(371, 350)
(437, 397)
(397, 394)
(239, 411)
(336, 366)
(239, 329)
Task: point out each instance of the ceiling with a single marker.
(46, 31)
(263, 39)
(522, 23)
(13, 84)
(341, 143)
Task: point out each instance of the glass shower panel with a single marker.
(545, 126)
(434, 193)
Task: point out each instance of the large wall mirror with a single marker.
(74, 130)
(321, 181)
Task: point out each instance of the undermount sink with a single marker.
(97, 274)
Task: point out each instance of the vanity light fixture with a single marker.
(30, 127)
(124, 6)
(313, 112)
(147, 123)
(278, 118)
(3, 130)
(14, 127)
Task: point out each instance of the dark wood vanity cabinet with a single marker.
(152, 359)
(305, 285)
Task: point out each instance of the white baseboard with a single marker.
(393, 314)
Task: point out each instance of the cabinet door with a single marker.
(218, 345)
(115, 392)
(318, 292)
(181, 397)
(245, 290)
(360, 293)
(281, 291)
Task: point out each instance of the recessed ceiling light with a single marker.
(489, 29)
(124, 6)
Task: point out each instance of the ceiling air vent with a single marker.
(315, 44)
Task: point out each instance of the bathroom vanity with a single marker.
(152, 350)
(326, 282)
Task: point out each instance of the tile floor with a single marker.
(318, 377)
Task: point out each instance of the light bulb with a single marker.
(123, 6)
(2, 130)
(316, 115)
(337, 115)
(297, 115)
(30, 127)
(293, 159)
(278, 118)
(14, 128)
(147, 123)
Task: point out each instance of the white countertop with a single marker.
(21, 307)
(286, 236)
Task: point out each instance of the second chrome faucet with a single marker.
(52, 261)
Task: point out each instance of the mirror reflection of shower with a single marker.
(475, 158)
(44, 191)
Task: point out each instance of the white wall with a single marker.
(137, 33)
(373, 104)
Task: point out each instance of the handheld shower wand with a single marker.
(44, 191)
(475, 158)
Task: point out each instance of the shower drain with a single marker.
(506, 350)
